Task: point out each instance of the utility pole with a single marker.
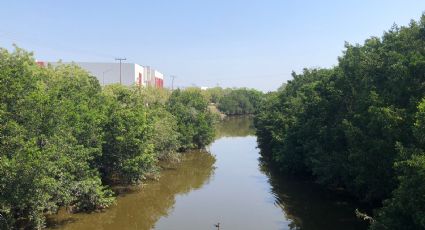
(103, 76)
(172, 82)
(120, 59)
(217, 226)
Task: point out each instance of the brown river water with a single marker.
(228, 184)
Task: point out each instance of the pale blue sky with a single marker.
(238, 43)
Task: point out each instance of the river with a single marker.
(228, 184)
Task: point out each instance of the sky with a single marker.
(227, 43)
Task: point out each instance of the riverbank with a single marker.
(229, 184)
(358, 126)
(65, 140)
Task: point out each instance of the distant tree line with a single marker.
(359, 126)
(235, 101)
(64, 139)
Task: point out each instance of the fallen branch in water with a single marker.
(364, 216)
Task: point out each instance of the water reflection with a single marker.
(142, 208)
(233, 188)
(236, 126)
(238, 196)
(304, 205)
(309, 206)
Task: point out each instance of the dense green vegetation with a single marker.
(64, 140)
(240, 102)
(215, 94)
(235, 101)
(194, 121)
(358, 126)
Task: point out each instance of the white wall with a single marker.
(109, 73)
(139, 70)
(159, 75)
(149, 75)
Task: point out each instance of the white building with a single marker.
(130, 73)
(153, 77)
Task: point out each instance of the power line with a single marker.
(172, 81)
